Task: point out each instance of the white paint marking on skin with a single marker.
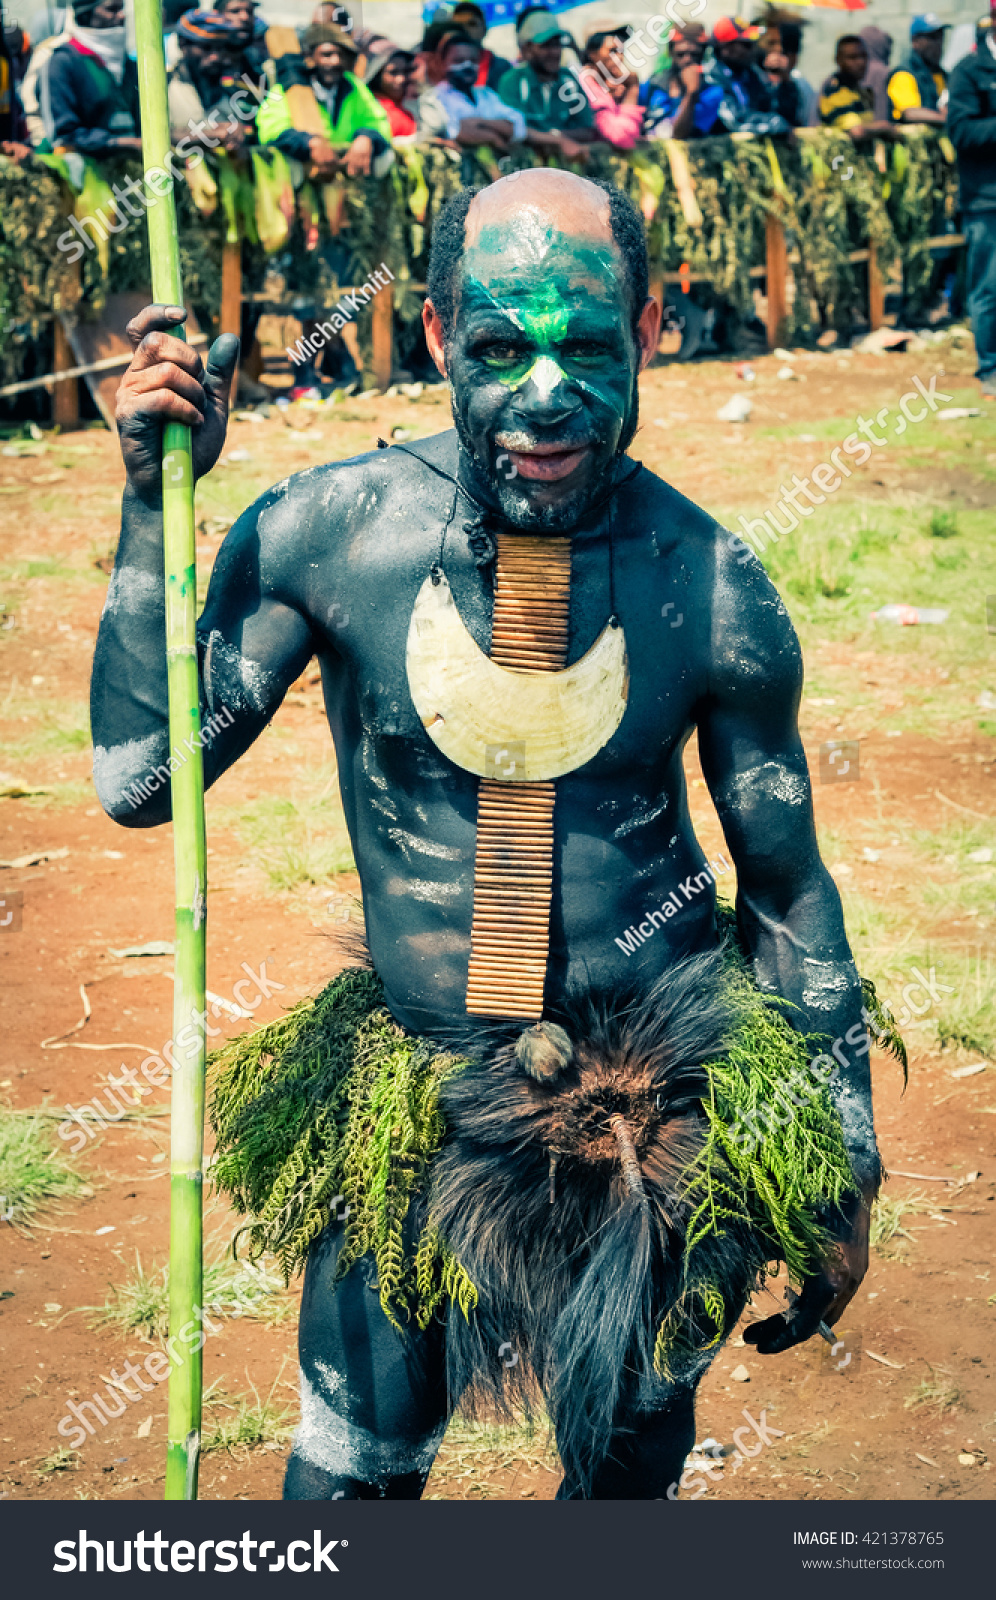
(435, 894)
(825, 983)
(329, 1441)
(132, 589)
(769, 781)
(546, 375)
(116, 769)
(413, 843)
(227, 663)
(643, 815)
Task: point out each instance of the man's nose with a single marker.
(546, 398)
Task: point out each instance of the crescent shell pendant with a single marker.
(507, 723)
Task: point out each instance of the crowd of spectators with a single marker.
(76, 91)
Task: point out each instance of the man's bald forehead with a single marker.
(572, 204)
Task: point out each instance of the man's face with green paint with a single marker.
(542, 361)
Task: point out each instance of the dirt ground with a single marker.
(912, 1413)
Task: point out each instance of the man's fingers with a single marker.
(165, 406)
(791, 1327)
(221, 362)
(158, 347)
(154, 319)
(167, 376)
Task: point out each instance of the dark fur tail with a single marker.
(602, 1342)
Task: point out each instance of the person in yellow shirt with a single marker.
(845, 102)
(918, 91)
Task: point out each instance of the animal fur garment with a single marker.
(560, 1193)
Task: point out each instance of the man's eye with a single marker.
(501, 355)
(584, 355)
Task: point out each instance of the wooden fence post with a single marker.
(65, 396)
(777, 276)
(231, 297)
(382, 337)
(876, 291)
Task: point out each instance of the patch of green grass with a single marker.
(887, 1236)
(141, 1303)
(474, 1452)
(936, 1391)
(35, 1176)
(253, 1424)
(296, 841)
(22, 571)
(61, 727)
(944, 525)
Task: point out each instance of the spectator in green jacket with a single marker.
(356, 134)
(558, 116)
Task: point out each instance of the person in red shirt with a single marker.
(389, 79)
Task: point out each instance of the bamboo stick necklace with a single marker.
(519, 719)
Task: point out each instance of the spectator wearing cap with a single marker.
(748, 103)
(470, 19)
(457, 109)
(972, 126)
(847, 102)
(389, 79)
(556, 110)
(918, 90)
(367, 41)
(612, 87)
(208, 73)
(356, 134)
(678, 103)
(878, 71)
(92, 84)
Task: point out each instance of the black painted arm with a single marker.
(788, 908)
(252, 643)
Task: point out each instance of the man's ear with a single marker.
(648, 330)
(433, 325)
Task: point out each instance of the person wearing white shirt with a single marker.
(456, 109)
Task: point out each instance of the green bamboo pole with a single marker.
(187, 785)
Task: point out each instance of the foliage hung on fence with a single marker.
(828, 193)
(35, 277)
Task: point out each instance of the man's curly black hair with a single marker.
(448, 244)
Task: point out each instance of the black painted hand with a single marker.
(825, 1296)
(168, 382)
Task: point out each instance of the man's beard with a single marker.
(515, 506)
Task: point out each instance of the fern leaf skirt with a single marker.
(482, 1192)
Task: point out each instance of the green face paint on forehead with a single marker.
(538, 275)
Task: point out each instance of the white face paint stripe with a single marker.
(546, 375)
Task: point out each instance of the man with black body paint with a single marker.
(539, 317)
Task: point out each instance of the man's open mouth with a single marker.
(543, 462)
